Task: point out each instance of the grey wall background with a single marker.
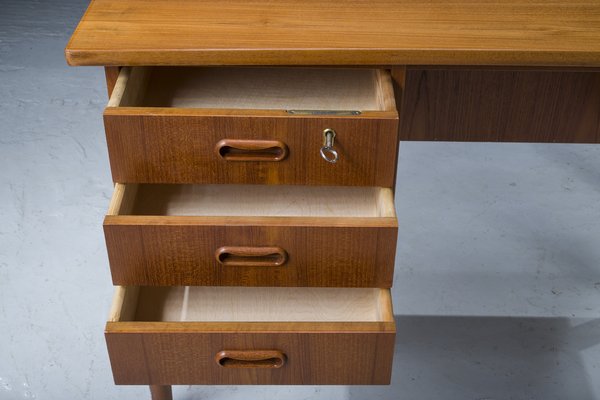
(497, 285)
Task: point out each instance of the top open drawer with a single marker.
(253, 125)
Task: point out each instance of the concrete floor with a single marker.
(497, 289)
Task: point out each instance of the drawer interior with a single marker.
(252, 200)
(244, 304)
(296, 90)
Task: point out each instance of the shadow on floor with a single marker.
(485, 358)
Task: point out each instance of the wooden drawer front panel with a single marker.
(187, 358)
(181, 148)
(271, 235)
(177, 125)
(501, 105)
(313, 352)
(183, 253)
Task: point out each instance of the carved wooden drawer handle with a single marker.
(251, 256)
(251, 150)
(250, 359)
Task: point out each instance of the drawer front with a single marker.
(175, 251)
(201, 146)
(501, 105)
(310, 336)
(343, 356)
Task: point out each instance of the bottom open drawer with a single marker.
(251, 335)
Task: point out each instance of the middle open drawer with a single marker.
(251, 235)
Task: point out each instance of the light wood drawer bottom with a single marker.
(238, 335)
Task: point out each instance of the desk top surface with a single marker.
(344, 32)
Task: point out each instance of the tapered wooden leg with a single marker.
(161, 392)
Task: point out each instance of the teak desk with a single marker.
(253, 146)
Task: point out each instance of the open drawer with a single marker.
(240, 335)
(252, 126)
(251, 235)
